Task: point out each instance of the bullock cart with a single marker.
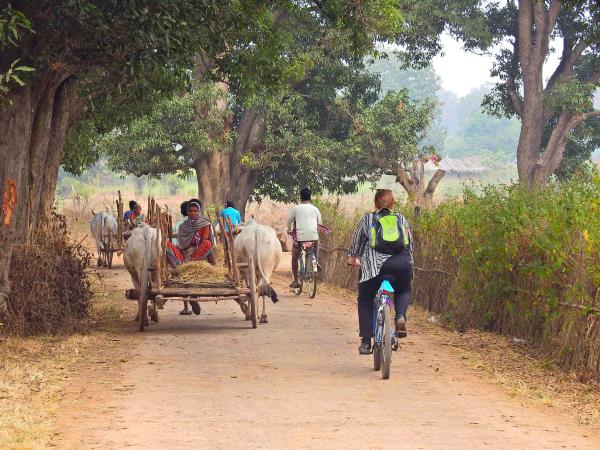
(239, 285)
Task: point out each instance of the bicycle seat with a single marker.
(390, 278)
(308, 244)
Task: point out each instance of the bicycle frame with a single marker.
(385, 297)
(304, 253)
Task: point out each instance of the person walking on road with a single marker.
(303, 224)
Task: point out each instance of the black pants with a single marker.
(400, 268)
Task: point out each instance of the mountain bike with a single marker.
(307, 270)
(384, 330)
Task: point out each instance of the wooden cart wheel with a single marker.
(253, 293)
(110, 258)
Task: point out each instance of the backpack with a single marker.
(387, 235)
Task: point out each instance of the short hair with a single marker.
(132, 204)
(229, 204)
(183, 208)
(305, 194)
(384, 198)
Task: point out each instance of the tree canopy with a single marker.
(519, 34)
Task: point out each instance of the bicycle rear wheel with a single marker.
(311, 279)
(386, 345)
(298, 290)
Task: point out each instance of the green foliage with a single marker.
(389, 133)
(313, 86)
(421, 84)
(13, 24)
(518, 253)
(472, 132)
(171, 137)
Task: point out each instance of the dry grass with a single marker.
(50, 290)
(199, 271)
(34, 371)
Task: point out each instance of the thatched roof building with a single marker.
(458, 166)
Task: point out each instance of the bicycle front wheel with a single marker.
(386, 345)
(298, 290)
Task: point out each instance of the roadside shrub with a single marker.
(521, 262)
(525, 263)
(50, 293)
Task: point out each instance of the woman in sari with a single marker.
(193, 243)
(193, 235)
(136, 217)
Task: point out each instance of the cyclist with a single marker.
(374, 264)
(304, 220)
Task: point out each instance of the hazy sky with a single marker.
(460, 71)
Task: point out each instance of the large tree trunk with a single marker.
(16, 122)
(222, 175)
(67, 108)
(32, 134)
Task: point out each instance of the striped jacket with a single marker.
(370, 259)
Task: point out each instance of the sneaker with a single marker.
(401, 328)
(195, 307)
(295, 285)
(364, 348)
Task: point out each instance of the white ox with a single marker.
(103, 227)
(260, 242)
(139, 256)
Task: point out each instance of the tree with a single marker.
(422, 85)
(476, 133)
(527, 27)
(391, 131)
(84, 52)
(241, 139)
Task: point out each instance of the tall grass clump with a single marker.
(520, 262)
(50, 291)
(333, 247)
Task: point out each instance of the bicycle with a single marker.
(307, 270)
(384, 330)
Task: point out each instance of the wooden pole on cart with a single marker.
(226, 250)
(159, 260)
(236, 273)
(120, 224)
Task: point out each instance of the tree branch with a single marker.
(432, 185)
(525, 17)
(553, 11)
(541, 36)
(569, 58)
(514, 96)
(593, 77)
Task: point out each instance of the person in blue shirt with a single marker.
(126, 215)
(232, 213)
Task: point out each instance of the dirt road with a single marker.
(297, 382)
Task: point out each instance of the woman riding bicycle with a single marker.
(374, 265)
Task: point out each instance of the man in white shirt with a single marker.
(304, 219)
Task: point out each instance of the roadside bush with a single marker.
(50, 293)
(520, 262)
(506, 259)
